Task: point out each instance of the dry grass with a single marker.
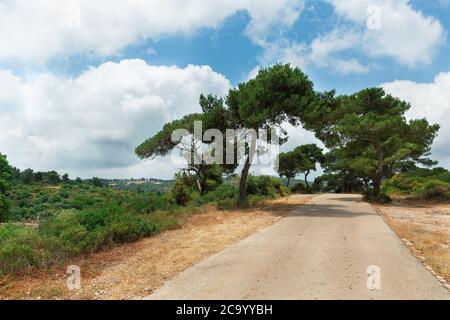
(137, 269)
(425, 228)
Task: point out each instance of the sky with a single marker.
(82, 83)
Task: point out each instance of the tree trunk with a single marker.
(378, 173)
(288, 182)
(244, 174)
(306, 179)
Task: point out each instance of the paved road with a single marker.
(321, 251)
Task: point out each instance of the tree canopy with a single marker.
(275, 95)
(5, 180)
(302, 159)
(369, 134)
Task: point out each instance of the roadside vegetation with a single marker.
(370, 147)
(47, 219)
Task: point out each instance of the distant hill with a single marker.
(144, 185)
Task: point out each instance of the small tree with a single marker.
(302, 159)
(309, 156)
(65, 178)
(53, 177)
(27, 176)
(287, 166)
(97, 182)
(5, 180)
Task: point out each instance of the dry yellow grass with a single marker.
(425, 227)
(137, 269)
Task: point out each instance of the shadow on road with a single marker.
(332, 211)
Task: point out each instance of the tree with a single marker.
(6, 175)
(309, 156)
(27, 176)
(275, 95)
(97, 182)
(287, 166)
(65, 178)
(189, 144)
(53, 177)
(302, 159)
(371, 127)
(38, 176)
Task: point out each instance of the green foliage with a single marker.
(300, 188)
(302, 159)
(27, 176)
(70, 233)
(368, 134)
(435, 189)
(370, 196)
(275, 95)
(97, 182)
(52, 177)
(265, 186)
(421, 183)
(5, 181)
(180, 193)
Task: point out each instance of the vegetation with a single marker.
(369, 137)
(372, 149)
(275, 95)
(5, 179)
(302, 159)
(47, 223)
(420, 183)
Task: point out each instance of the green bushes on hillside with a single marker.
(423, 183)
(70, 233)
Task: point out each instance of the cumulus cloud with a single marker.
(431, 101)
(42, 29)
(94, 121)
(405, 34)
(323, 52)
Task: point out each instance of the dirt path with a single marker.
(322, 251)
(425, 229)
(135, 270)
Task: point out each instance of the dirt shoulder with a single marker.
(425, 228)
(136, 270)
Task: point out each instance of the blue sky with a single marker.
(80, 79)
(229, 51)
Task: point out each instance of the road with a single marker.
(321, 251)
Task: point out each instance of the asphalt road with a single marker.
(323, 250)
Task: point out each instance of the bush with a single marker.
(265, 186)
(401, 184)
(300, 188)
(180, 194)
(369, 196)
(434, 189)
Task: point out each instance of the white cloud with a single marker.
(431, 101)
(323, 52)
(405, 34)
(93, 122)
(42, 29)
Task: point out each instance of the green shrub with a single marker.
(180, 194)
(226, 204)
(401, 184)
(265, 186)
(369, 196)
(434, 189)
(300, 188)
